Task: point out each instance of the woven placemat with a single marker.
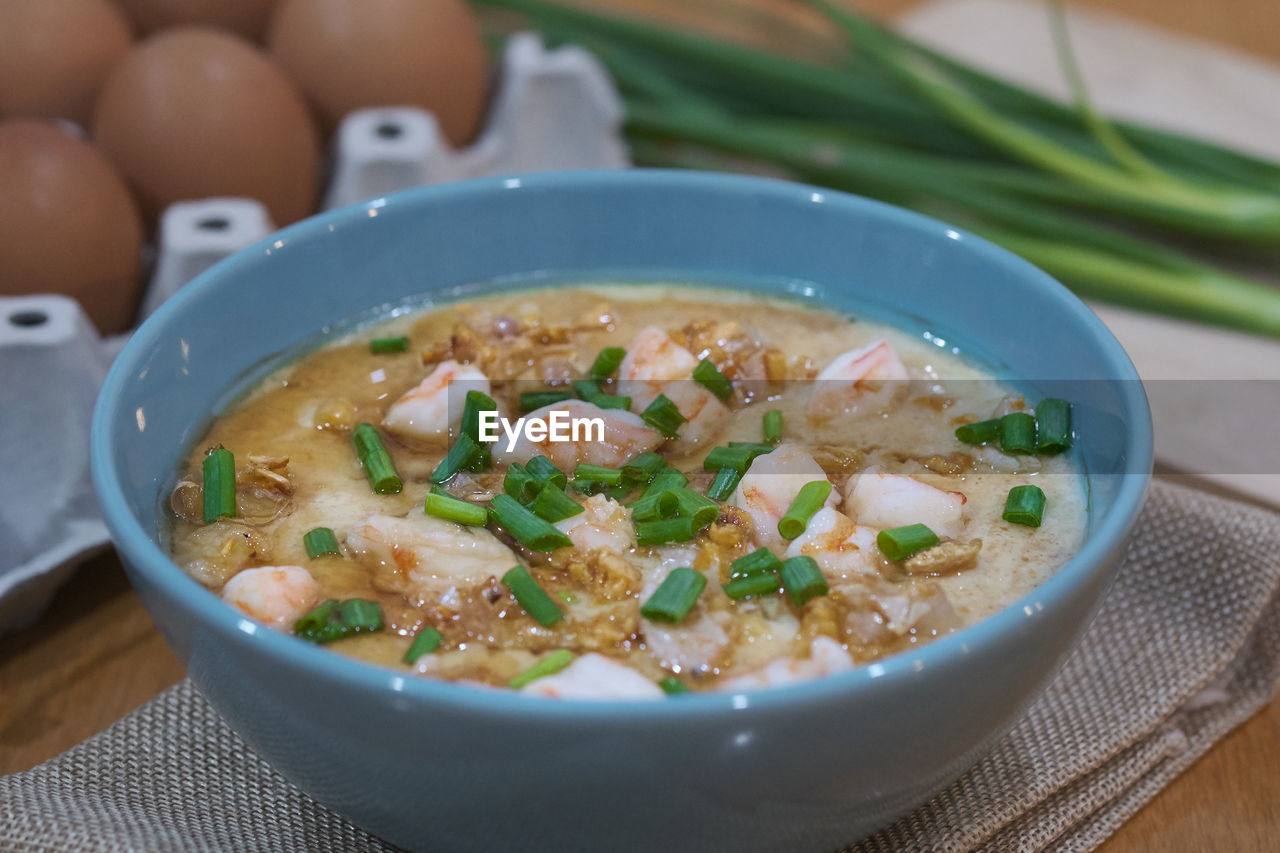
(1186, 646)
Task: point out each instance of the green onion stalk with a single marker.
(1092, 202)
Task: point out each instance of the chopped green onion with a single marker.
(594, 487)
(673, 600)
(643, 468)
(219, 485)
(589, 390)
(803, 579)
(898, 543)
(807, 502)
(699, 509)
(554, 505)
(377, 463)
(663, 416)
(427, 641)
(712, 379)
(333, 620)
(381, 346)
(465, 455)
(665, 530)
(651, 507)
(761, 584)
(759, 561)
(598, 474)
(519, 484)
(672, 686)
(1053, 426)
(549, 664)
(738, 455)
(535, 533)
(773, 426)
(1018, 433)
(531, 596)
(723, 486)
(544, 470)
(473, 404)
(1025, 505)
(446, 506)
(666, 480)
(320, 542)
(531, 400)
(983, 432)
(607, 362)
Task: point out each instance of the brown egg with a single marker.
(67, 223)
(55, 53)
(195, 112)
(246, 17)
(347, 55)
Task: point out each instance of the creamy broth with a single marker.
(880, 429)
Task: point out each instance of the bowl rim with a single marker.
(140, 551)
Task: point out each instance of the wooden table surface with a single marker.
(95, 655)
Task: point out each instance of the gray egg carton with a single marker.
(553, 109)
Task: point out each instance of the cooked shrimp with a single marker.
(826, 657)
(866, 378)
(884, 500)
(594, 676)
(430, 409)
(655, 364)
(276, 595)
(603, 523)
(625, 436)
(435, 554)
(842, 549)
(771, 483)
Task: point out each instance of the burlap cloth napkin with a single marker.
(1185, 647)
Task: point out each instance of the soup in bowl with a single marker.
(835, 488)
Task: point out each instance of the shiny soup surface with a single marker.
(658, 532)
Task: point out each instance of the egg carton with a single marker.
(553, 109)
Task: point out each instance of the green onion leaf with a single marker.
(1018, 433)
(549, 664)
(531, 596)
(536, 534)
(377, 463)
(758, 562)
(807, 502)
(1025, 505)
(427, 641)
(1053, 426)
(773, 426)
(440, 504)
(695, 507)
(589, 390)
(724, 485)
(465, 455)
(381, 346)
(474, 403)
(673, 600)
(554, 505)
(761, 584)
(672, 686)
(606, 362)
(598, 474)
(983, 432)
(531, 400)
(219, 485)
(544, 470)
(712, 379)
(333, 620)
(898, 543)
(655, 506)
(803, 579)
(320, 542)
(663, 416)
(643, 468)
(665, 530)
(518, 483)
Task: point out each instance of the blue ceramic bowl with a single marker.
(427, 764)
